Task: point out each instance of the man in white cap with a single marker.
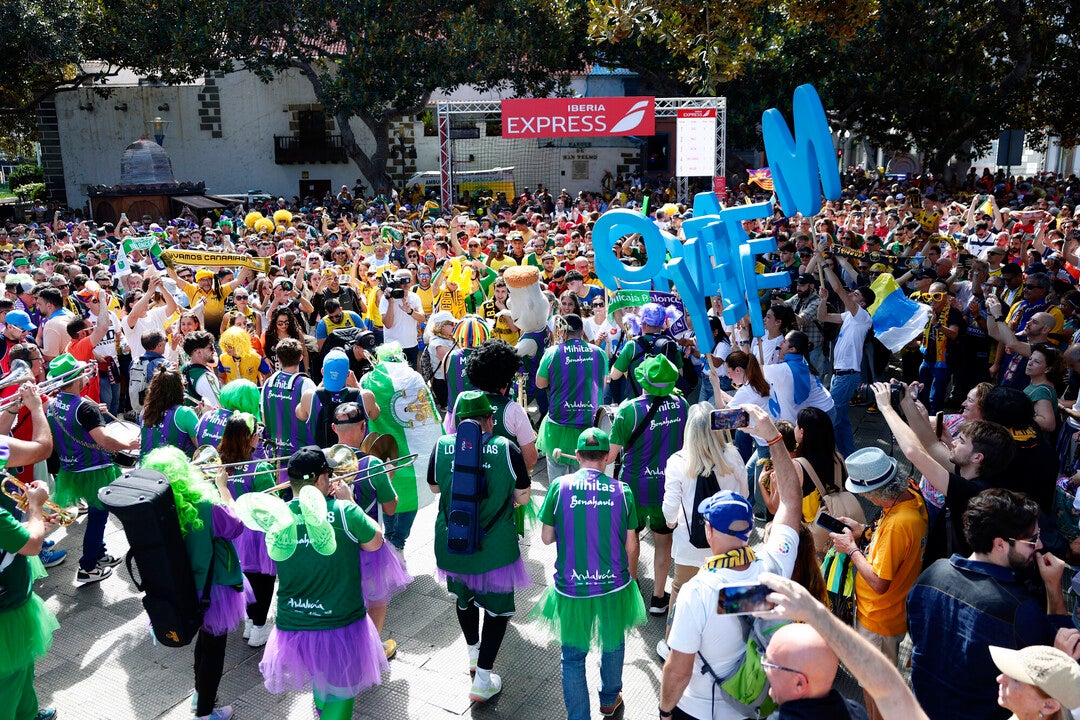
(887, 555)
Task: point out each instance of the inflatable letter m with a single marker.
(798, 162)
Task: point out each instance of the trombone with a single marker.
(207, 459)
(16, 490)
(346, 463)
(20, 373)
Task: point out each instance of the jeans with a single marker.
(935, 382)
(575, 687)
(843, 387)
(397, 528)
(94, 538)
(110, 394)
(556, 469)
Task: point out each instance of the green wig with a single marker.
(190, 487)
(390, 352)
(242, 396)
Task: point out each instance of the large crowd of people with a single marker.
(302, 339)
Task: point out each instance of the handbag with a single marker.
(838, 504)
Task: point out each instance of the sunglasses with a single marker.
(1033, 541)
(933, 296)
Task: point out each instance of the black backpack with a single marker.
(650, 346)
(706, 487)
(143, 502)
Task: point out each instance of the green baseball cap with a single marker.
(593, 439)
(471, 404)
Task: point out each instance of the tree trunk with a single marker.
(373, 166)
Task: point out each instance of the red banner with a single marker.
(578, 117)
(719, 186)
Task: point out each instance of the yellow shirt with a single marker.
(373, 313)
(427, 297)
(215, 303)
(506, 261)
(896, 553)
(454, 302)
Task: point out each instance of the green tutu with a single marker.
(591, 622)
(552, 435)
(526, 516)
(25, 634)
(74, 486)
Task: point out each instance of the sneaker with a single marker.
(52, 558)
(483, 691)
(659, 606)
(260, 634)
(248, 624)
(474, 655)
(85, 577)
(662, 649)
(109, 561)
(81, 508)
(47, 544)
(609, 710)
(46, 714)
(220, 713)
(195, 702)
(390, 648)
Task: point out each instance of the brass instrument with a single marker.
(346, 463)
(874, 256)
(206, 457)
(20, 372)
(560, 328)
(16, 490)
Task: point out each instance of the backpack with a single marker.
(142, 501)
(650, 346)
(468, 489)
(840, 503)
(137, 383)
(746, 688)
(427, 368)
(706, 487)
(192, 374)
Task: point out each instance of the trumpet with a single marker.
(16, 490)
(20, 373)
(345, 463)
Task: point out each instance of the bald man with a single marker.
(801, 669)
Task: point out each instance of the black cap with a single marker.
(308, 463)
(573, 323)
(806, 279)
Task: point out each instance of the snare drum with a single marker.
(126, 432)
(602, 420)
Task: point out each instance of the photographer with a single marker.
(402, 312)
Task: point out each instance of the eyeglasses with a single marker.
(933, 296)
(1033, 541)
(773, 666)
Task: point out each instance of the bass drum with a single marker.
(603, 420)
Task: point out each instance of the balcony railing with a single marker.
(291, 150)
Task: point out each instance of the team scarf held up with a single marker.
(801, 382)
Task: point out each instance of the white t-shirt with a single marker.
(107, 346)
(770, 349)
(605, 334)
(432, 348)
(405, 326)
(848, 349)
(747, 395)
(783, 393)
(679, 491)
(696, 626)
(154, 319)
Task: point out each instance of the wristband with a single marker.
(663, 714)
(775, 440)
(1000, 318)
(12, 413)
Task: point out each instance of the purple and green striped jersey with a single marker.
(591, 514)
(166, 433)
(575, 371)
(281, 395)
(645, 462)
(457, 381)
(68, 434)
(212, 426)
(372, 490)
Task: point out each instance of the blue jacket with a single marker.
(956, 610)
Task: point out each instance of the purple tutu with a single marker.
(382, 574)
(228, 608)
(337, 663)
(508, 578)
(251, 547)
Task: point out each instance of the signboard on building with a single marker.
(695, 142)
(578, 117)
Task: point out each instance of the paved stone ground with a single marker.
(103, 665)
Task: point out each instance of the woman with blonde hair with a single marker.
(708, 462)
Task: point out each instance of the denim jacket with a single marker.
(956, 610)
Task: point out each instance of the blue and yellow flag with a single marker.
(897, 319)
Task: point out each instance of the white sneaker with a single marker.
(248, 624)
(662, 649)
(260, 634)
(474, 655)
(483, 691)
(219, 713)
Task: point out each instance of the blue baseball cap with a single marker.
(335, 370)
(653, 314)
(730, 513)
(20, 320)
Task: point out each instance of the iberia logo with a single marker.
(632, 118)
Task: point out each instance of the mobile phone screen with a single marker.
(729, 419)
(744, 600)
(830, 523)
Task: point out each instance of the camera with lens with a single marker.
(393, 287)
(864, 395)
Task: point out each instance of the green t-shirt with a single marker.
(15, 581)
(504, 470)
(319, 592)
(645, 462)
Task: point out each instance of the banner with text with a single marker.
(695, 147)
(578, 117)
(636, 298)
